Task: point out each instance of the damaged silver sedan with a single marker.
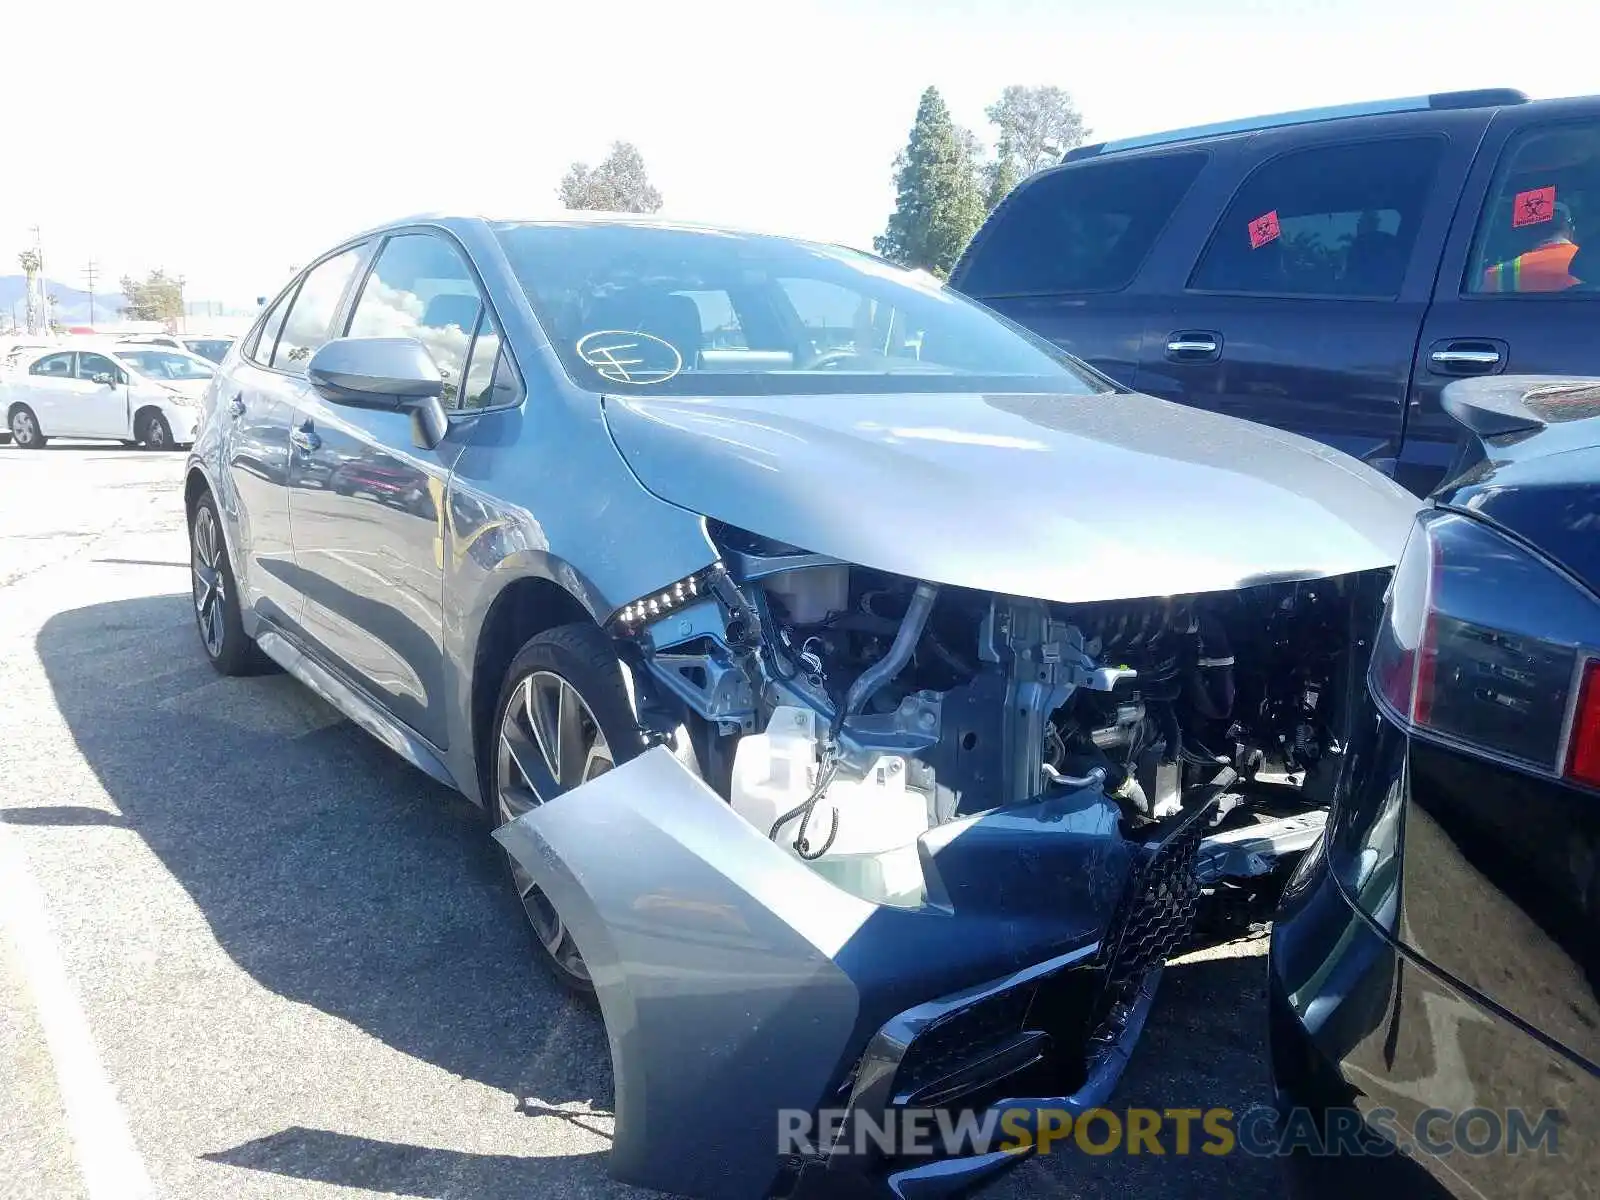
(865, 692)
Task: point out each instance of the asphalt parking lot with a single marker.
(246, 951)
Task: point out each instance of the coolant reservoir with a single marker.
(874, 852)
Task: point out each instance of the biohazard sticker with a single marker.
(1534, 207)
(1264, 229)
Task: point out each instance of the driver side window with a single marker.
(92, 367)
(421, 288)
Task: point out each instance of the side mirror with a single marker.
(106, 378)
(384, 375)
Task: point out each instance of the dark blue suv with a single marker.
(1327, 272)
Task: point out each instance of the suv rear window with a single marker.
(1324, 221)
(1080, 228)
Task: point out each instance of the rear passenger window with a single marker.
(1327, 221)
(1080, 228)
(1540, 230)
(421, 288)
(54, 366)
(310, 321)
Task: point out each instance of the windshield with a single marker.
(216, 349)
(166, 364)
(681, 311)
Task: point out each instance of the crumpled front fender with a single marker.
(735, 982)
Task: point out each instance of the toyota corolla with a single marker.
(864, 691)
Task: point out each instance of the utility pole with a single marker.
(90, 274)
(44, 281)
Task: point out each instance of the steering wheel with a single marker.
(828, 358)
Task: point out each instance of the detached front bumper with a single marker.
(747, 999)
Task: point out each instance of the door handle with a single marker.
(1458, 359)
(1468, 356)
(1194, 345)
(304, 437)
(236, 406)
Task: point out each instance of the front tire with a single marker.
(25, 429)
(155, 433)
(563, 719)
(216, 595)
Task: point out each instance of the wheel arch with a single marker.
(143, 413)
(194, 484)
(523, 609)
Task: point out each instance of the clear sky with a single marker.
(230, 141)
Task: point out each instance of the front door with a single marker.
(1303, 309)
(366, 502)
(103, 397)
(1519, 289)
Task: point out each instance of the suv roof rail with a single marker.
(1479, 98)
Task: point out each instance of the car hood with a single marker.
(1058, 497)
(182, 387)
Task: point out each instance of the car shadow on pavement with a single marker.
(331, 871)
(323, 1156)
(340, 877)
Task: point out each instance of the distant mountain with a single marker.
(72, 304)
(71, 307)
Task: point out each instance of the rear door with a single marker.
(1061, 254)
(256, 406)
(50, 388)
(366, 502)
(1535, 185)
(1304, 302)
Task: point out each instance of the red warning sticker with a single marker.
(1264, 229)
(1533, 208)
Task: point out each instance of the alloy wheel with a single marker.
(155, 435)
(550, 743)
(23, 429)
(210, 585)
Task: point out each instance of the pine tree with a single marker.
(1001, 175)
(938, 204)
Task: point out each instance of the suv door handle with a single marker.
(304, 437)
(1466, 357)
(236, 406)
(1194, 345)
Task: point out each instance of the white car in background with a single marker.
(212, 346)
(135, 394)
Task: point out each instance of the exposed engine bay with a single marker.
(845, 712)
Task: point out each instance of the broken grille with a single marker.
(1155, 917)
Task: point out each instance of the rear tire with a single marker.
(25, 429)
(565, 691)
(216, 595)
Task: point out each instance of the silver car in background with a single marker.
(865, 693)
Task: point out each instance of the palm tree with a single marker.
(30, 263)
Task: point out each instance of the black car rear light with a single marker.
(1583, 751)
(1484, 645)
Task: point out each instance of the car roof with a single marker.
(1478, 98)
(569, 216)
